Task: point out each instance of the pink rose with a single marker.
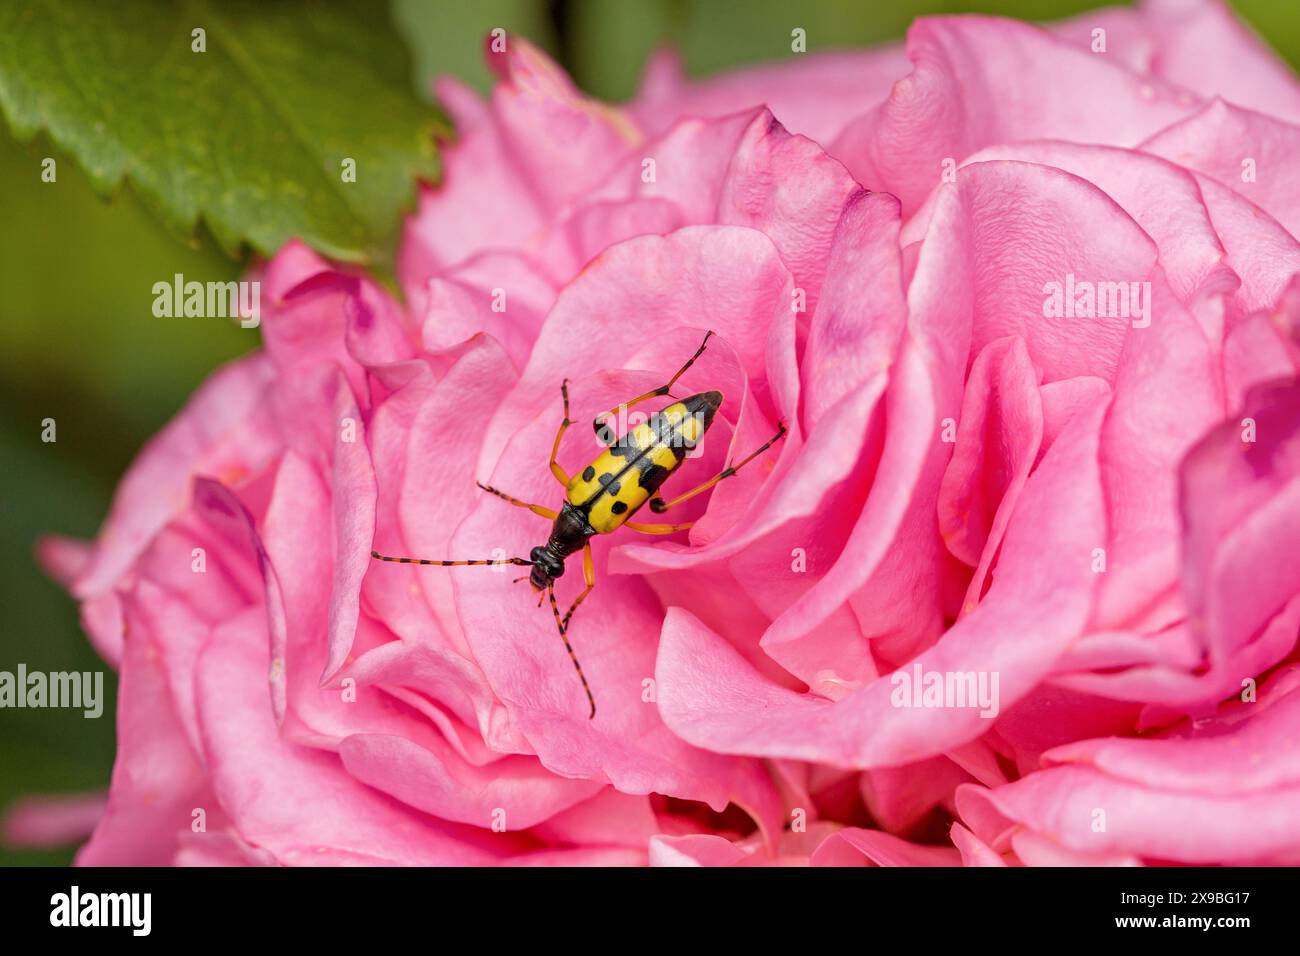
(1029, 310)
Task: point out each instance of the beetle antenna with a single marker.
(449, 564)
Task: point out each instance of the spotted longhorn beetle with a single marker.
(603, 496)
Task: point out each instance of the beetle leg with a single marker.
(657, 528)
(659, 506)
(560, 474)
(607, 435)
(589, 575)
(535, 509)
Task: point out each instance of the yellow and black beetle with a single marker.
(603, 496)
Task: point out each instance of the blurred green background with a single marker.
(79, 343)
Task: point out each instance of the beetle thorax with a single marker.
(569, 533)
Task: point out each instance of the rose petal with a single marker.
(973, 850)
(51, 820)
(218, 433)
(516, 792)
(1249, 152)
(813, 95)
(295, 802)
(708, 694)
(853, 846)
(958, 99)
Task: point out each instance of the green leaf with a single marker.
(448, 39)
(250, 135)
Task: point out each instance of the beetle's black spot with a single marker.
(652, 475)
(606, 478)
(613, 487)
(625, 447)
(618, 507)
(588, 473)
